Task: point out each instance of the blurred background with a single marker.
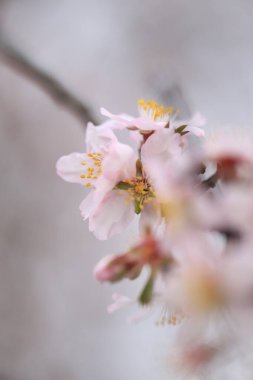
(197, 53)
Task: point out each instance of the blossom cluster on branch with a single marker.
(193, 196)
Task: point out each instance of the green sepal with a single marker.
(181, 130)
(123, 186)
(137, 207)
(147, 292)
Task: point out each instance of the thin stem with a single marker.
(52, 87)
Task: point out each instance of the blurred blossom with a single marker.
(121, 185)
(175, 191)
(195, 204)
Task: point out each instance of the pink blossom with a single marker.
(106, 163)
(154, 117)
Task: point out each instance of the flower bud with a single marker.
(115, 268)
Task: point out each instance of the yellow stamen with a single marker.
(93, 168)
(155, 110)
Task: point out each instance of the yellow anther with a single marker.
(87, 184)
(92, 166)
(154, 109)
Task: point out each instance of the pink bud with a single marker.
(105, 270)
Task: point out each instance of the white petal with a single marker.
(88, 205)
(195, 131)
(70, 167)
(98, 139)
(123, 120)
(120, 163)
(111, 216)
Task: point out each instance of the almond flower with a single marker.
(119, 185)
(105, 164)
(119, 181)
(153, 117)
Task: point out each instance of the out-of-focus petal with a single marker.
(119, 301)
(150, 217)
(161, 146)
(136, 136)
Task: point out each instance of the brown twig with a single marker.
(20, 63)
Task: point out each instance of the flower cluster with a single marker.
(193, 197)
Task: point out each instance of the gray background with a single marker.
(53, 320)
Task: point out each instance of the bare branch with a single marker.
(20, 63)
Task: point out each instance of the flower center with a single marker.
(154, 110)
(92, 167)
(138, 190)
